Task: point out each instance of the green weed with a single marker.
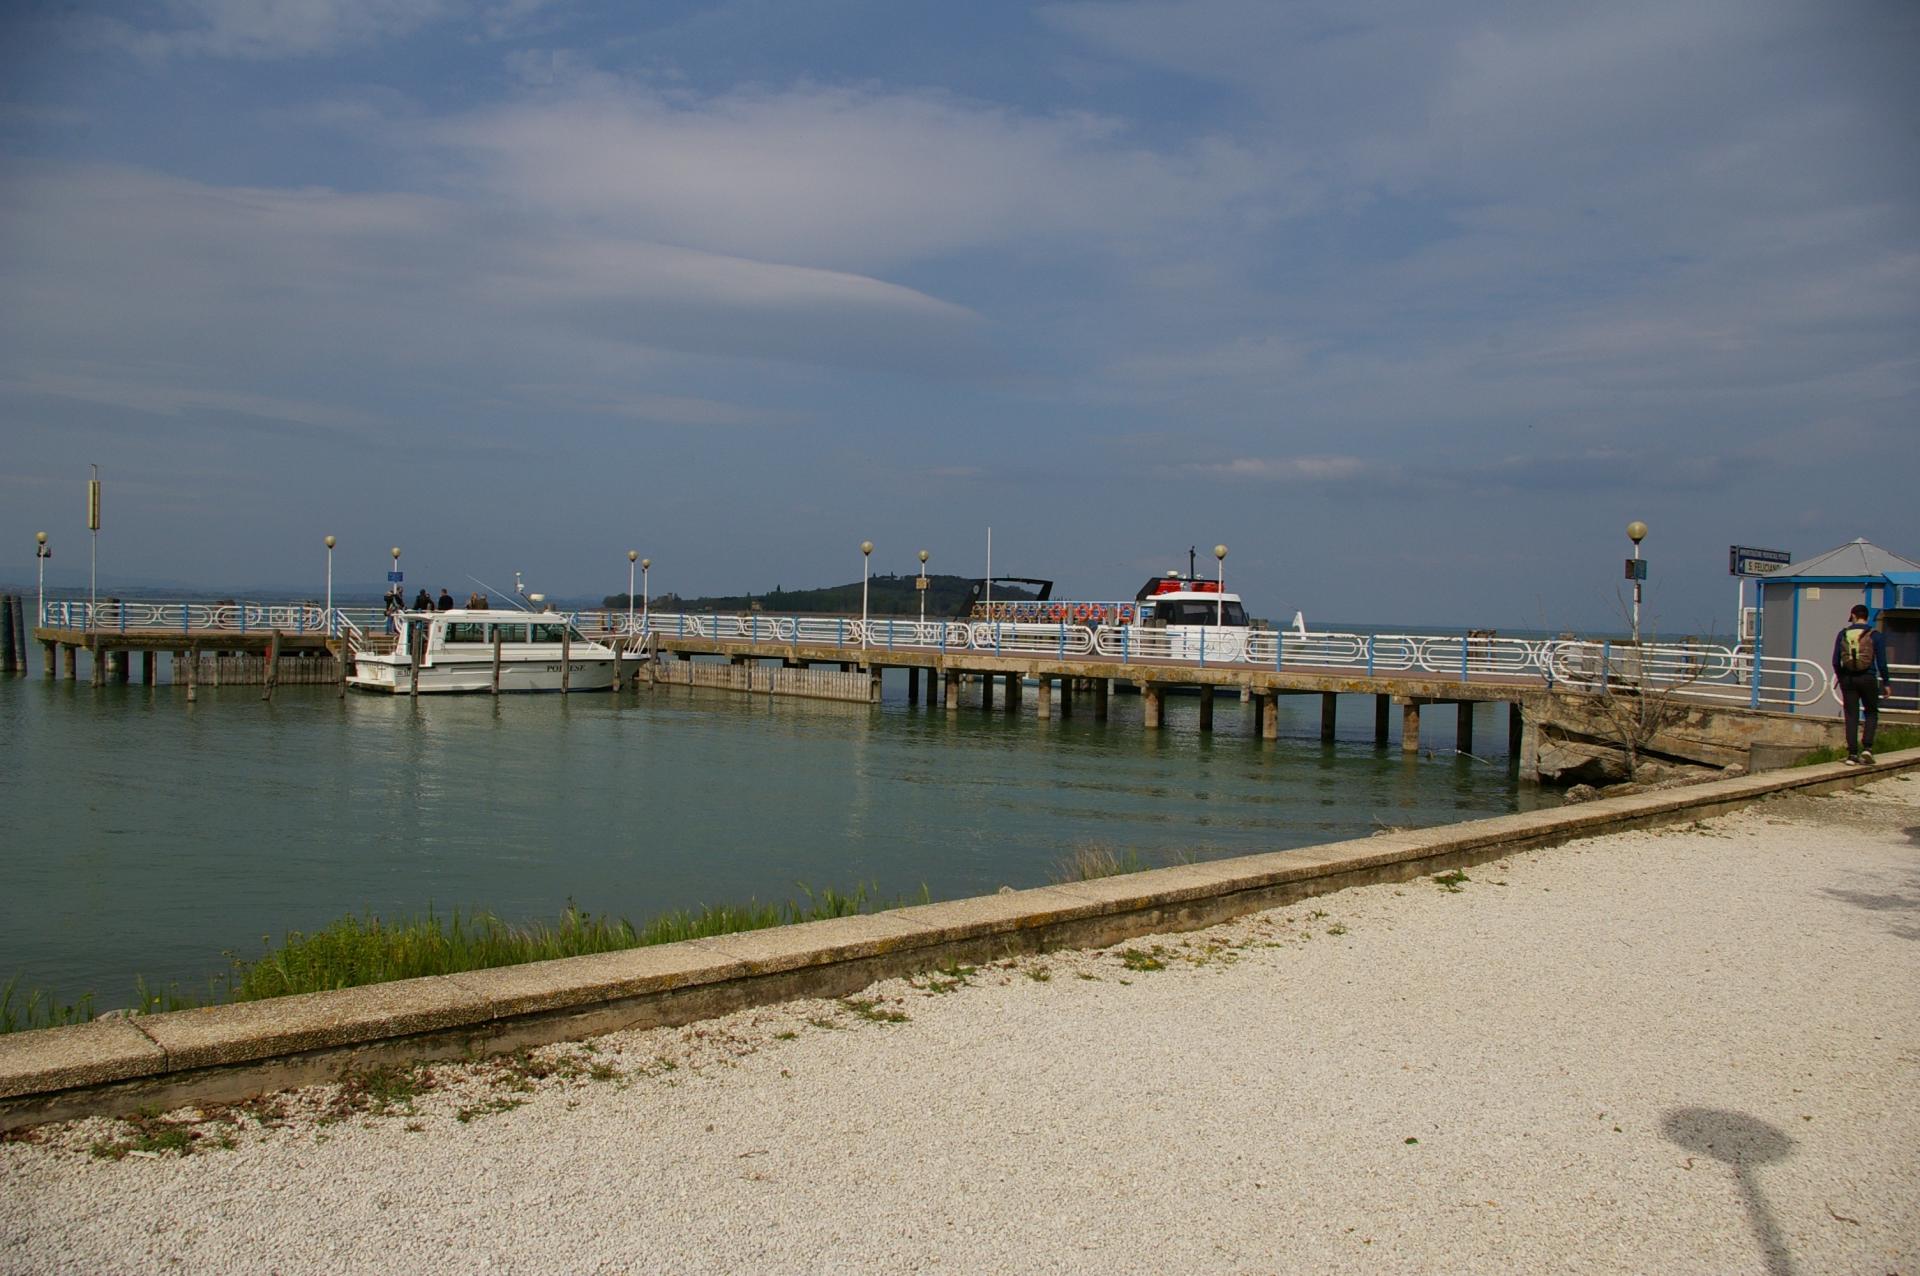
(1450, 881)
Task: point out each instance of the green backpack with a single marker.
(1856, 650)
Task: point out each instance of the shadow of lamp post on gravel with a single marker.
(1742, 1142)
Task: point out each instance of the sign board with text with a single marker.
(1744, 560)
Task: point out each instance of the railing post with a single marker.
(1279, 646)
(1125, 636)
(1062, 653)
(1369, 655)
(1203, 647)
(1606, 665)
(1753, 678)
(1463, 660)
(840, 631)
(889, 633)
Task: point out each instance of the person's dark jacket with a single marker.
(446, 601)
(1879, 651)
(423, 601)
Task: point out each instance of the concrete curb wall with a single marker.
(225, 1053)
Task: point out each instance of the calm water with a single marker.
(144, 835)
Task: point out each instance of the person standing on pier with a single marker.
(423, 601)
(1860, 667)
(446, 599)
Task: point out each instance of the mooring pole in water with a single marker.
(146, 667)
(1380, 703)
(1150, 706)
(1206, 707)
(1329, 714)
(268, 674)
(193, 674)
(6, 633)
(1270, 715)
(1463, 727)
(496, 660)
(416, 652)
(566, 658)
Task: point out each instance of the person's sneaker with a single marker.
(1852, 759)
(1866, 757)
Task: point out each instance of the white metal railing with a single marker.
(190, 618)
(1694, 670)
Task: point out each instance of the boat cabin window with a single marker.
(467, 631)
(552, 633)
(508, 633)
(1193, 611)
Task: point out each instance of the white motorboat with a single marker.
(461, 649)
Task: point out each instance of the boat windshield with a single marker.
(1194, 611)
(552, 633)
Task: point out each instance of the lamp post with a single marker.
(646, 589)
(923, 586)
(93, 525)
(1636, 532)
(330, 543)
(41, 554)
(866, 558)
(632, 554)
(1220, 596)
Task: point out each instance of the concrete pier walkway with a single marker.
(1693, 1050)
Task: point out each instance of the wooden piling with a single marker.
(193, 674)
(1463, 727)
(146, 667)
(1102, 688)
(416, 652)
(986, 691)
(1270, 715)
(1043, 700)
(1066, 697)
(50, 660)
(1206, 707)
(1150, 707)
(1410, 727)
(950, 691)
(8, 654)
(1516, 722)
(70, 661)
(913, 684)
(1329, 714)
(272, 666)
(566, 658)
(619, 670)
(1380, 703)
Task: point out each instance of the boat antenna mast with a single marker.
(1190, 561)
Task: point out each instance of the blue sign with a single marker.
(1744, 560)
(396, 577)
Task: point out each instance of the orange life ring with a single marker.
(1059, 612)
(1081, 612)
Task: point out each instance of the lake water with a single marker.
(144, 835)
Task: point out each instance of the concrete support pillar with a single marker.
(1529, 752)
(986, 691)
(70, 661)
(1043, 700)
(49, 656)
(1066, 697)
(1270, 716)
(1013, 691)
(1515, 721)
(1329, 714)
(1380, 703)
(1463, 727)
(1410, 727)
(1102, 687)
(1206, 707)
(950, 691)
(1150, 707)
(873, 686)
(913, 684)
(99, 667)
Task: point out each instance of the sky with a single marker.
(1412, 306)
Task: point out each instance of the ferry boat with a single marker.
(456, 649)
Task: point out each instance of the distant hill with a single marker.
(886, 596)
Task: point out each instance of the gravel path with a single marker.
(1688, 1051)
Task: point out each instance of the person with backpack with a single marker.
(1860, 667)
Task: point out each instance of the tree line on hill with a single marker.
(888, 595)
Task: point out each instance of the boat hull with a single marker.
(447, 677)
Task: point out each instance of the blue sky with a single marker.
(1413, 306)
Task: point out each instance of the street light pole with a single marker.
(93, 525)
(41, 554)
(631, 555)
(923, 586)
(330, 625)
(866, 558)
(646, 589)
(1636, 532)
(1220, 594)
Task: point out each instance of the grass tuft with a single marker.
(1889, 739)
